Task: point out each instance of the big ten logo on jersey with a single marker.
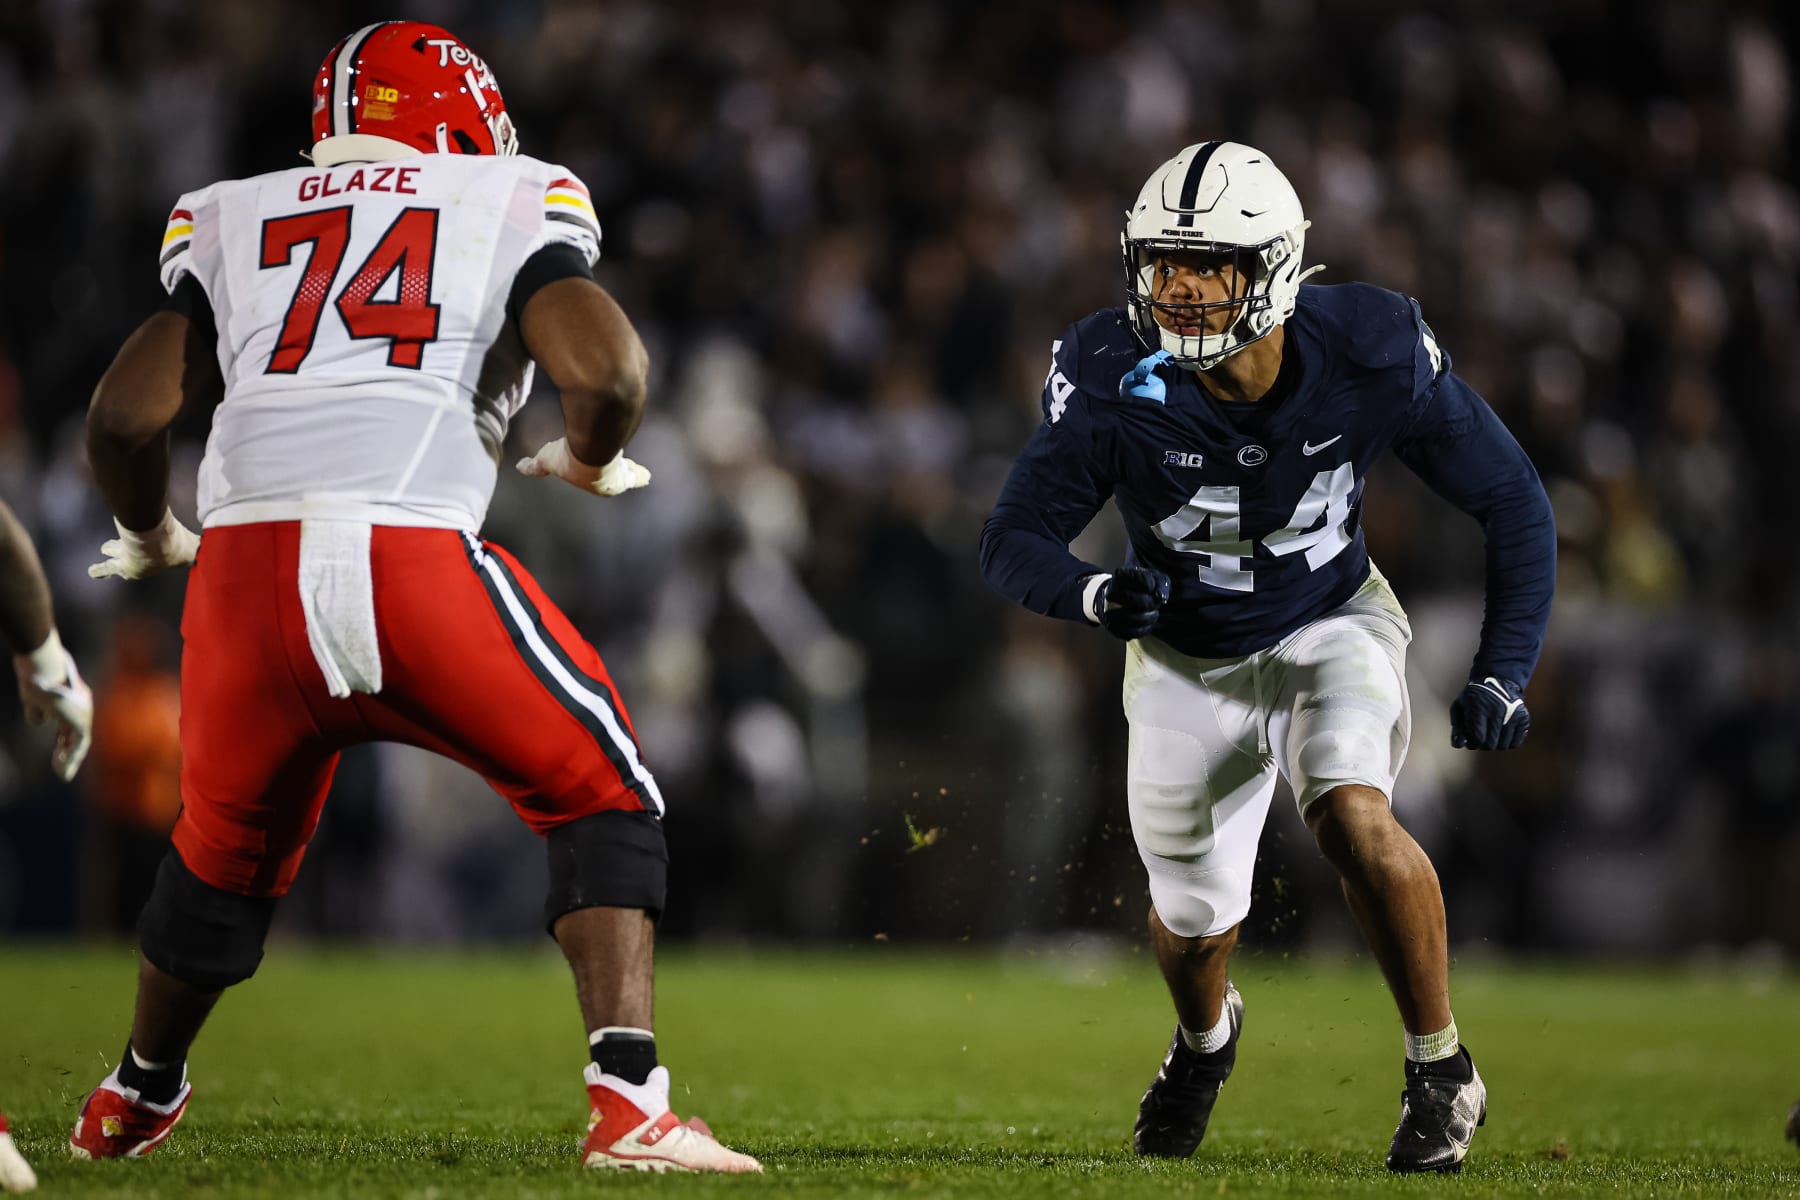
(1058, 385)
(363, 179)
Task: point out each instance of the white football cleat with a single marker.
(630, 1128)
(16, 1174)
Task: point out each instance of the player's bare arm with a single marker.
(164, 363)
(25, 613)
(167, 362)
(50, 688)
(583, 340)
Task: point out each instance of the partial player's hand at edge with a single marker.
(135, 555)
(1489, 714)
(51, 689)
(1128, 603)
(615, 478)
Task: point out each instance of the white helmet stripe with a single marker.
(1190, 186)
(343, 120)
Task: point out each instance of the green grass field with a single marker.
(884, 1072)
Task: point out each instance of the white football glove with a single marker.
(615, 478)
(138, 555)
(50, 689)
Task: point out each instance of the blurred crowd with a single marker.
(849, 233)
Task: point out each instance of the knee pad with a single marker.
(612, 859)
(1167, 793)
(1199, 903)
(202, 935)
(1334, 747)
(1330, 757)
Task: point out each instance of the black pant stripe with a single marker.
(1190, 185)
(621, 758)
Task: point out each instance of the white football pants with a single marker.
(1325, 706)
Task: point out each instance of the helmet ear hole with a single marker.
(464, 142)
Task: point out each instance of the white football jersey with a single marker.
(370, 368)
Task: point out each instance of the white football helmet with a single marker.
(1225, 199)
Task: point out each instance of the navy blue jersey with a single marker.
(1253, 511)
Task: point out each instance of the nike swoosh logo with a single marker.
(1308, 449)
(1512, 706)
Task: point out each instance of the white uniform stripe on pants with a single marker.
(572, 687)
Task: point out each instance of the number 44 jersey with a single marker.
(1253, 510)
(370, 360)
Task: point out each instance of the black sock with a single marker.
(159, 1086)
(1458, 1068)
(629, 1054)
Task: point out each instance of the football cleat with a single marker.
(117, 1122)
(15, 1173)
(1173, 1114)
(630, 1128)
(1439, 1111)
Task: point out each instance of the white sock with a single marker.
(628, 1030)
(144, 1064)
(1431, 1047)
(1214, 1039)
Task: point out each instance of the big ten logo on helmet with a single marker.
(378, 102)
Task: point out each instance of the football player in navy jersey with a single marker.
(1232, 415)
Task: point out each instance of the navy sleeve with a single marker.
(1456, 444)
(1055, 489)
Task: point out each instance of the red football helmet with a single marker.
(413, 83)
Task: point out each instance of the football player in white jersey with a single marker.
(50, 689)
(372, 321)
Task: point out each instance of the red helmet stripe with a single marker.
(343, 106)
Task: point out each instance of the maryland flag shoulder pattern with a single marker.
(569, 215)
(178, 238)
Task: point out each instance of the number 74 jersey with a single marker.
(369, 360)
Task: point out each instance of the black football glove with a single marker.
(1489, 715)
(1129, 603)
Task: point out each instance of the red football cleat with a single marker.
(116, 1122)
(631, 1128)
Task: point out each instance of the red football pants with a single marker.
(477, 665)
